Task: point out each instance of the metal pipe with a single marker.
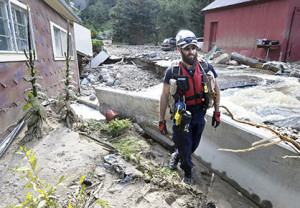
(7, 141)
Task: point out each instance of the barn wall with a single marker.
(239, 26)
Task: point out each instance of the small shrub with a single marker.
(116, 127)
(43, 194)
(35, 125)
(97, 45)
(65, 109)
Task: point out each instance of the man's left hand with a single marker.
(216, 119)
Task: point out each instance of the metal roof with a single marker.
(63, 9)
(223, 3)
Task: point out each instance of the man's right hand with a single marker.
(162, 126)
(215, 122)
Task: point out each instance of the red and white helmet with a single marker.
(185, 38)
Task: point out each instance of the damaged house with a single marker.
(266, 29)
(49, 32)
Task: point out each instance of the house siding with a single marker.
(239, 26)
(13, 74)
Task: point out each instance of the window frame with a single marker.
(15, 54)
(55, 56)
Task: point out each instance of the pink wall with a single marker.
(239, 26)
(12, 95)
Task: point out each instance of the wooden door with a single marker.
(293, 50)
(213, 35)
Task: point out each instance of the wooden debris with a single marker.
(106, 145)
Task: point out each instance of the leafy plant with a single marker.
(66, 114)
(44, 194)
(93, 126)
(97, 45)
(80, 196)
(102, 203)
(116, 127)
(35, 125)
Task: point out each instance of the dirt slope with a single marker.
(65, 152)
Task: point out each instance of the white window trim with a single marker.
(59, 58)
(17, 3)
(10, 56)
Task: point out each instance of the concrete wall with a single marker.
(141, 107)
(261, 174)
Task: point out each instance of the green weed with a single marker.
(43, 194)
(116, 127)
(128, 145)
(67, 114)
(35, 126)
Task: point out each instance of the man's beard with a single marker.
(189, 60)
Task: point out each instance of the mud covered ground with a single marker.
(124, 183)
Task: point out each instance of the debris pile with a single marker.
(130, 69)
(123, 76)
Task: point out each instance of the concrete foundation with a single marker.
(262, 174)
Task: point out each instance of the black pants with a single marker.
(187, 140)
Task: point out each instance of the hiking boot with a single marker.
(174, 161)
(187, 180)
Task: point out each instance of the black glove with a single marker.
(163, 127)
(216, 119)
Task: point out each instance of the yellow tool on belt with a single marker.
(178, 116)
(205, 89)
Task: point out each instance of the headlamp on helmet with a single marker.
(185, 38)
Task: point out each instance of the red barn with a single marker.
(267, 29)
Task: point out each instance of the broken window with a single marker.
(13, 30)
(59, 42)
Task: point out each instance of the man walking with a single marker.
(191, 102)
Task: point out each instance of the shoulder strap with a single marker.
(203, 72)
(205, 67)
(175, 71)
